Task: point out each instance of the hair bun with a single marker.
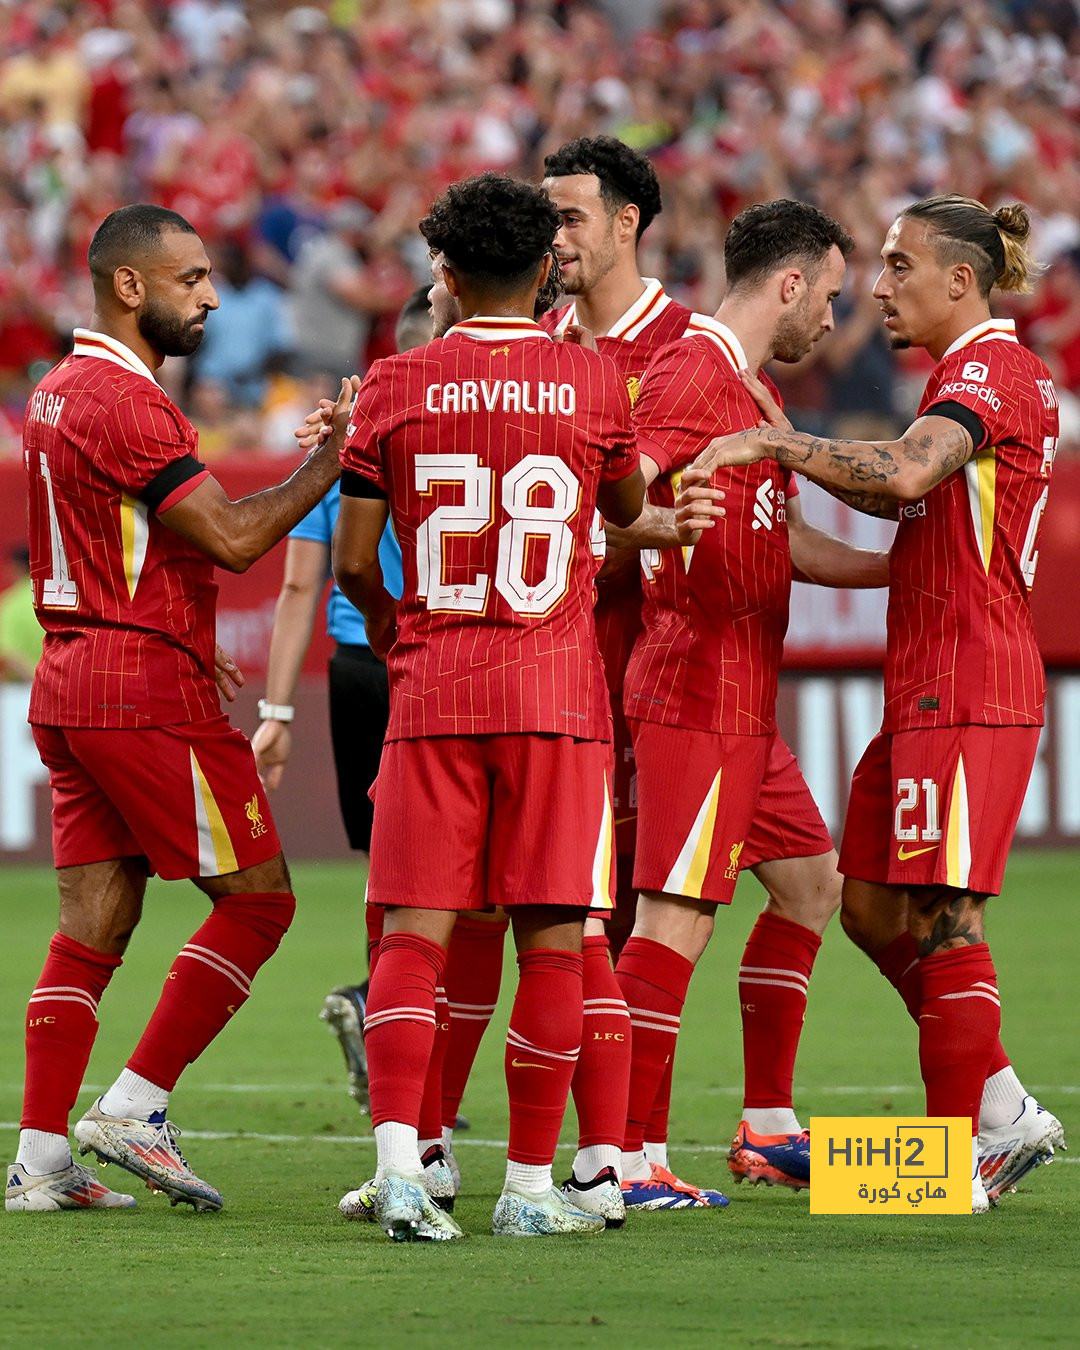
(1014, 220)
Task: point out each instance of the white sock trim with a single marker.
(41, 1152)
(528, 1178)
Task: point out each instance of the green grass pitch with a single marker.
(267, 1120)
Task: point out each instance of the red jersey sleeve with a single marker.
(361, 453)
(681, 407)
(619, 442)
(146, 439)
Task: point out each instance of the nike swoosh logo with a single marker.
(905, 853)
(621, 820)
(524, 1064)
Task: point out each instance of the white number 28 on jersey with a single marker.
(525, 522)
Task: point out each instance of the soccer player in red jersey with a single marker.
(146, 773)
(935, 799)
(717, 787)
(490, 449)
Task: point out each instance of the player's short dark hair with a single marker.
(769, 235)
(992, 243)
(624, 174)
(128, 234)
(492, 228)
(415, 313)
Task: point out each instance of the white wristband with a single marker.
(275, 712)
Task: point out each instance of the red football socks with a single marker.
(653, 979)
(399, 1028)
(473, 976)
(429, 1124)
(209, 981)
(958, 1029)
(542, 1046)
(61, 1023)
(773, 981)
(901, 965)
(602, 1078)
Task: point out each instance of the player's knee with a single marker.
(269, 915)
(859, 926)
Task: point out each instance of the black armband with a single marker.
(967, 417)
(354, 484)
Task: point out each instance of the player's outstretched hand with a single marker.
(726, 452)
(329, 416)
(580, 336)
(228, 674)
(772, 414)
(272, 744)
(697, 507)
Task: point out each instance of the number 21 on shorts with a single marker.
(917, 818)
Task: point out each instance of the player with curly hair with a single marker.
(490, 449)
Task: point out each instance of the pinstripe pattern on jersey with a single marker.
(713, 635)
(496, 669)
(638, 319)
(136, 648)
(961, 641)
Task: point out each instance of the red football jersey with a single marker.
(961, 642)
(126, 604)
(715, 614)
(490, 445)
(652, 321)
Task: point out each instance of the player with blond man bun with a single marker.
(935, 798)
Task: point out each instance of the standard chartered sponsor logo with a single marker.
(768, 506)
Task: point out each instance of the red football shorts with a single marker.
(466, 822)
(938, 807)
(186, 797)
(697, 796)
(787, 822)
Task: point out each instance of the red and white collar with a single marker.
(105, 348)
(703, 325)
(482, 328)
(1003, 329)
(652, 301)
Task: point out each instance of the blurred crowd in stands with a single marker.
(304, 143)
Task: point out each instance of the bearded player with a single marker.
(717, 787)
(935, 799)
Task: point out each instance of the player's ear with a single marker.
(791, 286)
(452, 283)
(961, 280)
(545, 270)
(626, 220)
(128, 287)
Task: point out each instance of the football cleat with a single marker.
(360, 1204)
(406, 1213)
(520, 1214)
(73, 1187)
(343, 1012)
(664, 1190)
(775, 1159)
(439, 1178)
(980, 1201)
(147, 1148)
(603, 1195)
(1008, 1153)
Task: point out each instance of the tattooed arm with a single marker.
(898, 471)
